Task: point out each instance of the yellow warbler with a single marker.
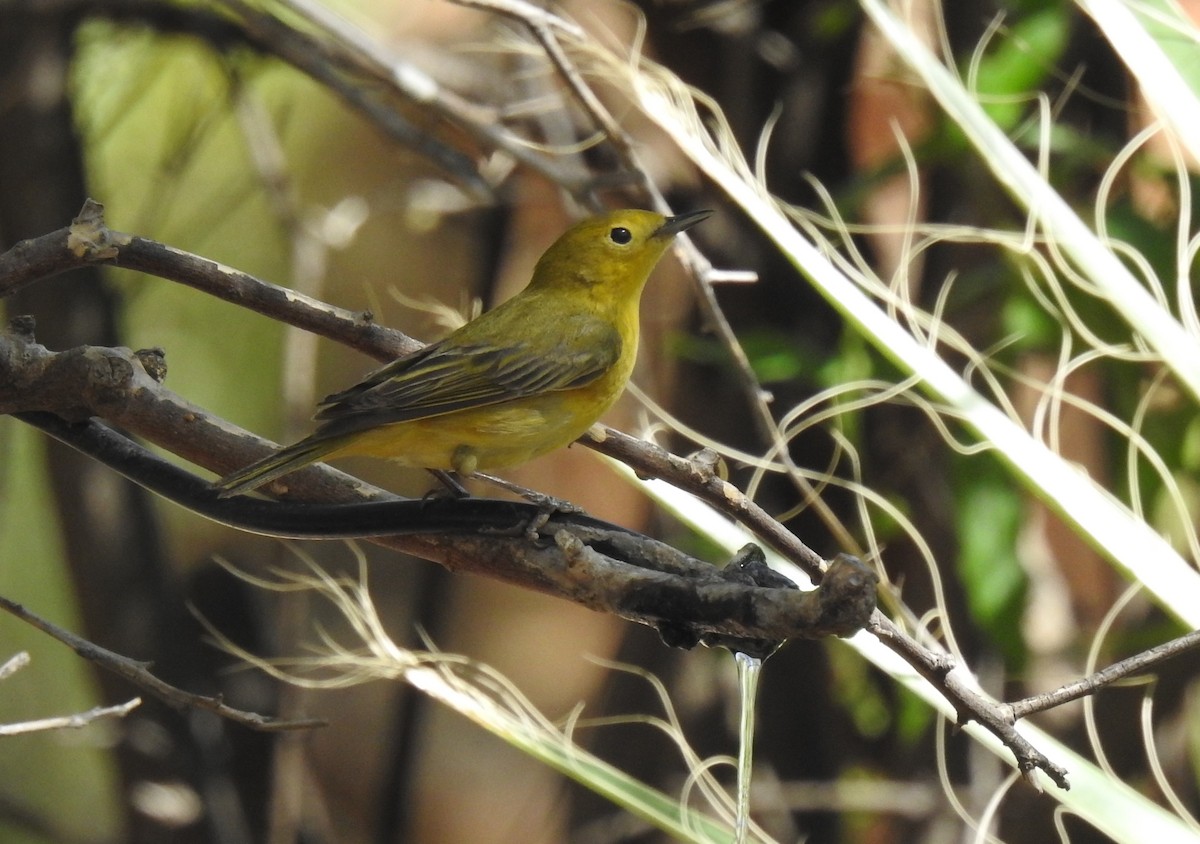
(521, 380)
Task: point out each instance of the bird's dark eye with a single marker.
(620, 235)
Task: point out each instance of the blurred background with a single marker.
(192, 134)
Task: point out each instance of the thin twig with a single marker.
(969, 704)
(14, 664)
(138, 673)
(543, 25)
(71, 722)
(88, 241)
(318, 58)
(1139, 664)
(698, 478)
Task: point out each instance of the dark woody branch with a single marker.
(601, 566)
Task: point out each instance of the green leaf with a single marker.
(989, 513)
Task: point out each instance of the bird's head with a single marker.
(612, 254)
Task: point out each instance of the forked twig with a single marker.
(139, 674)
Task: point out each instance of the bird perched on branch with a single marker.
(523, 379)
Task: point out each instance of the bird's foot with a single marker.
(547, 505)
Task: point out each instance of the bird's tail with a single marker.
(276, 465)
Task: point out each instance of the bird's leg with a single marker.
(466, 464)
(541, 499)
(449, 480)
(547, 505)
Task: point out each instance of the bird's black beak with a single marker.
(674, 225)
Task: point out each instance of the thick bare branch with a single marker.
(601, 566)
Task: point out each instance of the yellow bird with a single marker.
(523, 379)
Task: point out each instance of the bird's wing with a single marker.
(449, 376)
